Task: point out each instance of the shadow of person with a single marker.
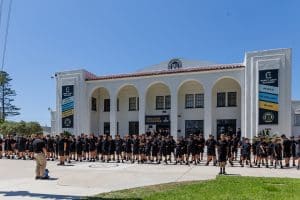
(37, 195)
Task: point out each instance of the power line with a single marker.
(6, 34)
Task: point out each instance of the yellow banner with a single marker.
(67, 113)
(268, 106)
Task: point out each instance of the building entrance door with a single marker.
(226, 126)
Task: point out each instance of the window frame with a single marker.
(94, 104)
(297, 116)
(192, 103)
(106, 105)
(229, 100)
(221, 93)
(135, 107)
(162, 103)
(202, 100)
(167, 106)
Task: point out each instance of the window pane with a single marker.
(189, 101)
(167, 102)
(118, 105)
(132, 104)
(106, 105)
(199, 100)
(159, 102)
(133, 128)
(94, 104)
(231, 98)
(193, 127)
(106, 128)
(297, 120)
(221, 96)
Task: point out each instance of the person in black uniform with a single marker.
(180, 145)
(211, 150)
(277, 152)
(86, 148)
(293, 150)
(92, 148)
(196, 152)
(118, 145)
(21, 144)
(135, 148)
(62, 148)
(105, 148)
(155, 149)
(99, 148)
(72, 141)
(128, 148)
(235, 144)
(190, 145)
(142, 149)
(148, 148)
(1, 149)
(230, 147)
(246, 152)
(79, 148)
(201, 145)
(50, 148)
(163, 150)
(222, 153)
(287, 147)
(254, 149)
(262, 152)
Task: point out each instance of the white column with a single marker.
(142, 111)
(113, 113)
(243, 113)
(208, 111)
(174, 113)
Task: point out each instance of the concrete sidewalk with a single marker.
(87, 179)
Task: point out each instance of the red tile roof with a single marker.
(164, 72)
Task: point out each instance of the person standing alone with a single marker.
(40, 152)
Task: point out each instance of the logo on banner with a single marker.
(268, 117)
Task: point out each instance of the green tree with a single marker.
(7, 95)
(33, 128)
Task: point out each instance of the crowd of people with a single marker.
(156, 148)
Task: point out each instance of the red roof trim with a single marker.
(163, 72)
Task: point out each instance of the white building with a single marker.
(183, 97)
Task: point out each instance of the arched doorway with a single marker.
(99, 111)
(158, 107)
(127, 110)
(226, 106)
(190, 108)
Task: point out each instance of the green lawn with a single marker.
(224, 187)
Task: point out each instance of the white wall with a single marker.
(295, 109)
(226, 85)
(124, 116)
(189, 87)
(158, 89)
(99, 117)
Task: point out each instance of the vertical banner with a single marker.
(67, 106)
(268, 96)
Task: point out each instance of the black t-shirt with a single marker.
(38, 145)
(287, 145)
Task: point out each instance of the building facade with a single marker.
(181, 97)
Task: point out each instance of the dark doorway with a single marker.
(226, 126)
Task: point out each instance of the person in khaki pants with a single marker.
(40, 152)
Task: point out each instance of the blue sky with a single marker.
(117, 36)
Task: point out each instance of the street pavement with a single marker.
(88, 179)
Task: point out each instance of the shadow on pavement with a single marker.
(36, 195)
(103, 198)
